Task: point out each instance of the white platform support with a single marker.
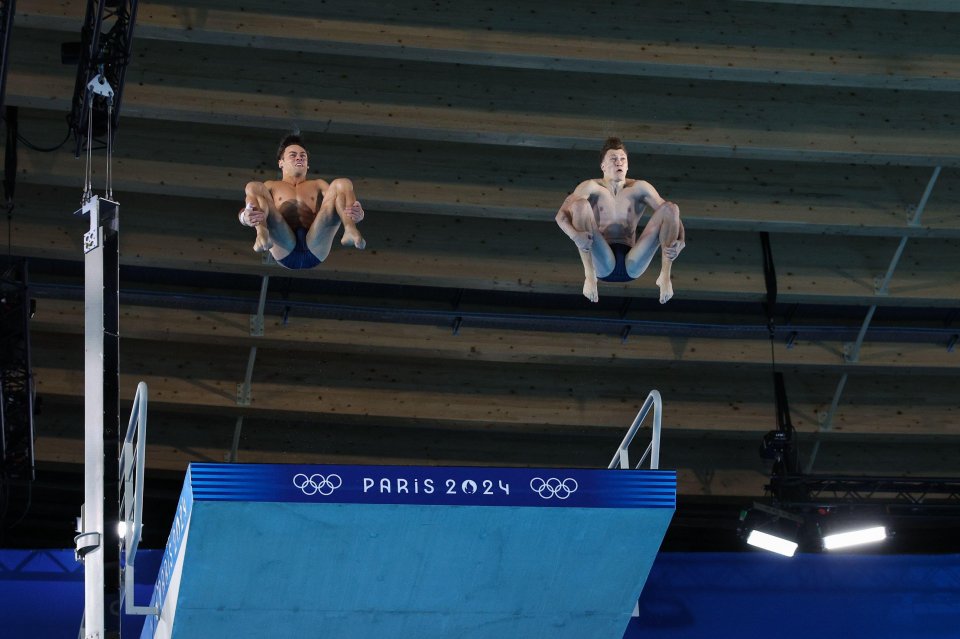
(97, 537)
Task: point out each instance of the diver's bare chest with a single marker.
(610, 206)
(301, 198)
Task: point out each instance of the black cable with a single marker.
(773, 357)
(26, 509)
(33, 147)
(4, 499)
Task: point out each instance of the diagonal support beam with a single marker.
(883, 287)
(243, 390)
(852, 351)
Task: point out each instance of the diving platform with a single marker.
(408, 551)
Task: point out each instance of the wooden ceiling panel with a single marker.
(460, 336)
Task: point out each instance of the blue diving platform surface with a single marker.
(360, 552)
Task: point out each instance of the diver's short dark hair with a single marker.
(612, 144)
(292, 138)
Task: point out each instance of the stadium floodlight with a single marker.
(854, 537)
(772, 543)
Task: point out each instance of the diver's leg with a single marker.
(661, 232)
(273, 234)
(599, 259)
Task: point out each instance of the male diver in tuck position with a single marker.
(296, 218)
(602, 216)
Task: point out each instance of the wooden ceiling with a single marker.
(459, 336)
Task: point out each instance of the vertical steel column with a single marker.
(101, 509)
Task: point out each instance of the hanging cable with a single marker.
(98, 86)
(10, 173)
(769, 304)
(88, 171)
(43, 149)
(109, 187)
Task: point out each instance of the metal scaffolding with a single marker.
(16, 377)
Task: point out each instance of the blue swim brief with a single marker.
(301, 256)
(619, 272)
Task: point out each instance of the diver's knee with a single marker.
(582, 213)
(342, 185)
(254, 188)
(580, 205)
(670, 209)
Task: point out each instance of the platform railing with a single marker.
(131, 497)
(621, 458)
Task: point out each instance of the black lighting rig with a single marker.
(102, 57)
(806, 508)
(16, 382)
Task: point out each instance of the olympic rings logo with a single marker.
(553, 487)
(317, 484)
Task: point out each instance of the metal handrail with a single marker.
(131, 496)
(622, 457)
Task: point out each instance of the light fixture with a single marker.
(771, 529)
(854, 537)
(122, 529)
(772, 543)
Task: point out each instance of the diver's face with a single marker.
(294, 161)
(614, 165)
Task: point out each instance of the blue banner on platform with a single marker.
(435, 485)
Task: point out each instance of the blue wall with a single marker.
(824, 596)
(699, 595)
(41, 593)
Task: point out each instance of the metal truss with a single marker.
(16, 378)
(107, 38)
(918, 493)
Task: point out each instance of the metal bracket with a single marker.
(91, 208)
(91, 240)
(99, 86)
(881, 286)
(847, 350)
(243, 395)
(777, 512)
(85, 542)
(256, 325)
(910, 211)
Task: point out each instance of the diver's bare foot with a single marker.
(666, 288)
(590, 290)
(263, 242)
(351, 236)
(353, 239)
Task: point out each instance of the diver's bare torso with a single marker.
(617, 210)
(298, 204)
